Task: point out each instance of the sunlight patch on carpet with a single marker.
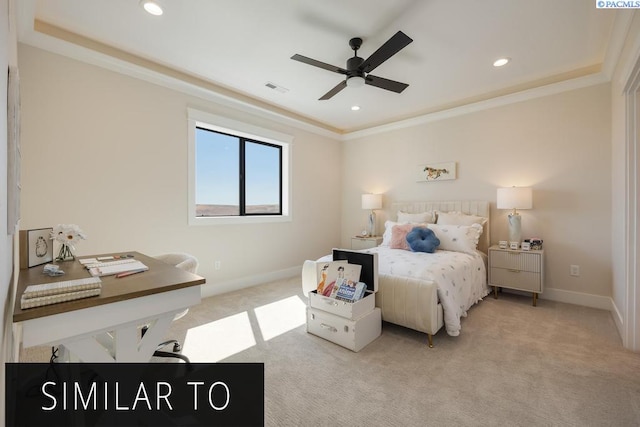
(220, 339)
(281, 316)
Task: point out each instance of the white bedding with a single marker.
(461, 278)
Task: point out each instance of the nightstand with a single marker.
(358, 243)
(516, 269)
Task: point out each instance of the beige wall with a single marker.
(109, 152)
(558, 144)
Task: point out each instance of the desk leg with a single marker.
(85, 350)
(121, 345)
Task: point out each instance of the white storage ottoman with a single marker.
(351, 325)
(351, 334)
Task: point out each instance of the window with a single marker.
(238, 172)
(236, 176)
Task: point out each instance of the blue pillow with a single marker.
(422, 239)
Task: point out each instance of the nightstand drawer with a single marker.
(522, 261)
(360, 243)
(518, 279)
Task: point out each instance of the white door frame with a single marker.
(631, 332)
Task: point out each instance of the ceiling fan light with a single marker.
(355, 81)
(152, 7)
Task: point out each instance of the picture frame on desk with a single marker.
(36, 247)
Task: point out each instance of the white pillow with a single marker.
(458, 238)
(386, 236)
(428, 217)
(458, 218)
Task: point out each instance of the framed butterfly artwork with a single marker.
(36, 247)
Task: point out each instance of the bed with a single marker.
(425, 291)
(429, 291)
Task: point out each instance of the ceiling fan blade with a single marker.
(319, 64)
(333, 91)
(386, 51)
(387, 84)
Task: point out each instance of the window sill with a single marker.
(225, 220)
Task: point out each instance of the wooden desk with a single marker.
(105, 328)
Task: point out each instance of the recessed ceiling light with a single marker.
(501, 62)
(152, 7)
(355, 108)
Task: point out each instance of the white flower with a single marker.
(67, 234)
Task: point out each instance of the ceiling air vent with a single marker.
(276, 87)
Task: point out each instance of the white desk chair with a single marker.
(188, 263)
(309, 277)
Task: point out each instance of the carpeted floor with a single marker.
(513, 364)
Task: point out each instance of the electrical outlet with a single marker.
(575, 270)
(216, 265)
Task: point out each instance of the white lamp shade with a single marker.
(515, 198)
(372, 201)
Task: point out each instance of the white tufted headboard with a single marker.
(469, 207)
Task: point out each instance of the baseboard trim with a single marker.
(217, 288)
(578, 298)
(572, 297)
(617, 318)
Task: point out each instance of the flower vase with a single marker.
(66, 253)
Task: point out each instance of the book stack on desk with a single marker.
(116, 267)
(53, 293)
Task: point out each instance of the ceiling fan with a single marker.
(358, 69)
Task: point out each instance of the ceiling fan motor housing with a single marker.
(352, 66)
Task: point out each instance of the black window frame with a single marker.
(242, 142)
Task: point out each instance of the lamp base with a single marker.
(372, 223)
(515, 228)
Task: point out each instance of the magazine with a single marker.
(351, 292)
(334, 273)
(327, 273)
(349, 276)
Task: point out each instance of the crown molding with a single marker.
(537, 92)
(57, 40)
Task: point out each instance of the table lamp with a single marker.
(515, 198)
(372, 202)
